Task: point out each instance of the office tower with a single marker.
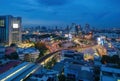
(10, 29)
(87, 28)
(78, 29)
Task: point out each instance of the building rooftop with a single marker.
(83, 72)
(58, 67)
(28, 51)
(110, 68)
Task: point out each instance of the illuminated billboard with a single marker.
(2, 22)
(15, 25)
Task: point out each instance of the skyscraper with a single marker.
(10, 29)
(87, 28)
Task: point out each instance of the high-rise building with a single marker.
(10, 29)
(87, 28)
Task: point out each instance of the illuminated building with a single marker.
(101, 40)
(10, 29)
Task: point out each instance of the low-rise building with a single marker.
(77, 72)
(109, 73)
(44, 75)
(111, 51)
(58, 67)
(71, 54)
(29, 54)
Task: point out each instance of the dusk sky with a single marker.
(97, 13)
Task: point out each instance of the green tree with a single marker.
(13, 45)
(41, 47)
(61, 77)
(115, 59)
(7, 56)
(48, 65)
(14, 55)
(53, 61)
(105, 59)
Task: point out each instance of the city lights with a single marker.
(59, 40)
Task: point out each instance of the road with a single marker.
(47, 56)
(42, 59)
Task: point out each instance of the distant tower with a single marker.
(78, 29)
(10, 29)
(72, 28)
(67, 29)
(87, 29)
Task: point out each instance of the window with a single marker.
(2, 23)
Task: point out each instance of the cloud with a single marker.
(53, 2)
(94, 12)
(43, 22)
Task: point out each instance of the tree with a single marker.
(41, 47)
(61, 77)
(105, 59)
(14, 55)
(13, 45)
(115, 59)
(48, 65)
(53, 60)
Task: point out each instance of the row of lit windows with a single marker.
(2, 23)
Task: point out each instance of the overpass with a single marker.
(46, 56)
(42, 59)
(19, 72)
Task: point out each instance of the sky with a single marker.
(97, 13)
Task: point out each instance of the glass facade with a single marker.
(2, 22)
(10, 29)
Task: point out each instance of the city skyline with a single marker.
(98, 13)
